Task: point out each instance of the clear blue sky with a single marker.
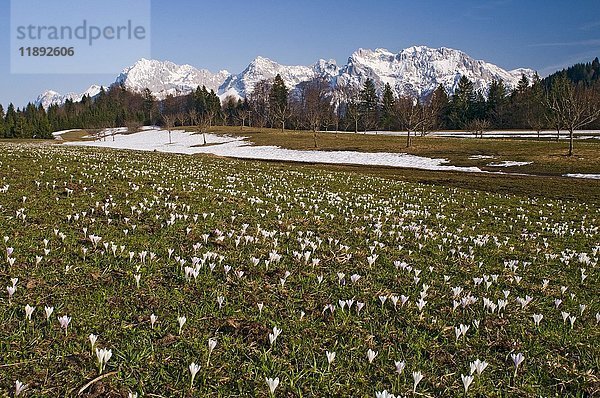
(545, 35)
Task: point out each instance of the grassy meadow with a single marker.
(327, 280)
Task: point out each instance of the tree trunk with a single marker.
(169, 136)
(408, 139)
(571, 142)
(204, 137)
(315, 138)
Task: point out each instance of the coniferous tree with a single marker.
(585, 73)
(497, 103)
(213, 104)
(10, 121)
(440, 104)
(533, 104)
(462, 104)
(388, 104)
(230, 109)
(149, 106)
(368, 105)
(37, 121)
(522, 85)
(2, 122)
(279, 102)
(24, 127)
(478, 109)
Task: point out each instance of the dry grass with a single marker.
(548, 157)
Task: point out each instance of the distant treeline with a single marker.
(314, 105)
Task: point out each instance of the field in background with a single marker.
(548, 157)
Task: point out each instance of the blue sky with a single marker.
(543, 35)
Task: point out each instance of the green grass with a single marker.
(173, 200)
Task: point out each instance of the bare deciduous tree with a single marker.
(133, 126)
(205, 122)
(478, 126)
(431, 108)
(242, 115)
(168, 121)
(193, 116)
(410, 115)
(314, 104)
(575, 106)
(180, 118)
(259, 103)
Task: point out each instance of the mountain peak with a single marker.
(260, 59)
(261, 62)
(165, 78)
(50, 97)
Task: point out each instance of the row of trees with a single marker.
(557, 103)
(30, 122)
(568, 100)
(113, 107)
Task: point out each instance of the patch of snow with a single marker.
(548, 134)
(508, 163)
(235, 147)
(475, 157)
(590, 176)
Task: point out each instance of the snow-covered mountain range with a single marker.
(52, 97)
(415, 71)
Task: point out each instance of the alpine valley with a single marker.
(415, 71)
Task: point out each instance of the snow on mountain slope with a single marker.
(164, 78)
(263, 68)
(415, 71)
(52, 97)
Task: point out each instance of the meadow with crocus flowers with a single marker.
(129, 274)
